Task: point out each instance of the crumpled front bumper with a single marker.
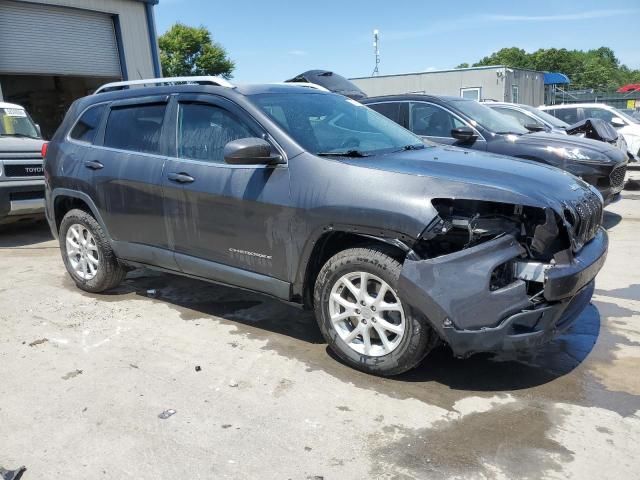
(453, 292)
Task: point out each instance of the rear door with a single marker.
(124, 174)
(225, 222)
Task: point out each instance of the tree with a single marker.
(599, 68)
(186, 51)
(463, 65)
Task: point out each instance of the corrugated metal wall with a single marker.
(133, 25)
(495, 83)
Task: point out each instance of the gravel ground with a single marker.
(258, 395)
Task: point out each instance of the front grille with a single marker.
(588, 219)
(32, 195)
(617, 177)
(22, 170)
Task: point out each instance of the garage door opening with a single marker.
(47, 98)
(51, 55)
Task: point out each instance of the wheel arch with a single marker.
(332, 241)
(64, 200)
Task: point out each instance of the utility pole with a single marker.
(376, 51)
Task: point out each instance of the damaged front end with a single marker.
(493, 276)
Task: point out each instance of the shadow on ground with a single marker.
(24, 234)
(294, 333)
(610, 219)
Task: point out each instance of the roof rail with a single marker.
(304, 84)
(218, 81)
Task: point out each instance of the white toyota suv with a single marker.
(21, 171)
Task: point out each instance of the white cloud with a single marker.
(560, 17)
(297, 53)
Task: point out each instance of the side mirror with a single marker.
(250, 151)
(464, 134)
(617, 122)
(37, 125)
(534, 127)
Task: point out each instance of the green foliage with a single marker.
(599, 68)
(186, 51)
(463, 65)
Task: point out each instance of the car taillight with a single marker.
(43, 152)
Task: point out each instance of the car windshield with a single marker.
(545, 117)
(627, 117)
(487, 118)
(15, 122)
(324, 123)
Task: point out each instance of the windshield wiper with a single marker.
(347, 153)
(414, 146)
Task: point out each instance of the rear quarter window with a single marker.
(135, 128)
(87, 126)
(391, 110)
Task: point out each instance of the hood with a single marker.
(593, 150)
(20, 145)
(460, 173)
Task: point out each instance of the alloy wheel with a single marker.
(367, 314)
(82, 251)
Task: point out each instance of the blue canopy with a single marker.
(555, 78)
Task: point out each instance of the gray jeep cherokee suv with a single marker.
(317, 200)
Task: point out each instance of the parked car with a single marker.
(331, 81)
(469, 124)
(536, 120)
(628, 126)
(530, 117)
(314, 199)
(632, 112)
(21, 180)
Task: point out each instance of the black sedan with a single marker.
(469, 124)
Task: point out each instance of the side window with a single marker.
(522, 118)
(432, 121)
(391, 110)
(600, 113)
(87, 126)
(569, 115)
(135, 127)
(204, 130)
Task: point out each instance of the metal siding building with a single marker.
(54, 51)
(494, 83)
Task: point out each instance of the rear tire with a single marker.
(87, 253)
(353, 320)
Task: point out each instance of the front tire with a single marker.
(362, 316)
(87, 253)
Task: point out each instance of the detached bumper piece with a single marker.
(455, 293)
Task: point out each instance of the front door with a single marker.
(435, 123)
(224, 221)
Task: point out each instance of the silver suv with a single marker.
(21, 171)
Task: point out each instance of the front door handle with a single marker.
(93, 165)
(180, 177)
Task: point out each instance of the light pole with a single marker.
(376, 51)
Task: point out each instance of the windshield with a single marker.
(627, 117)
(329, 123)
(16, 123)
(490, 119)
(545, 117)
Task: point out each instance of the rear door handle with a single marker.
(93, 165)
(180, 177)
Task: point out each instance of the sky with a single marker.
(275, 40)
